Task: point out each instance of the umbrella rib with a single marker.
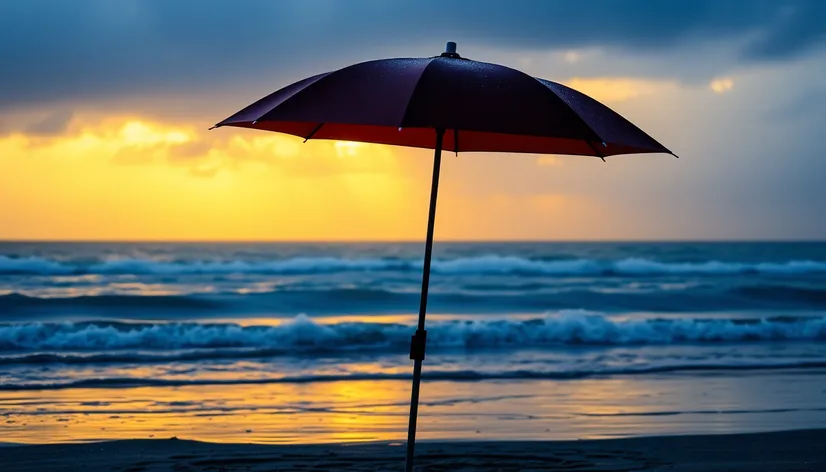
(596, 151)
(313, 132)
(413, 92)
(545, 83)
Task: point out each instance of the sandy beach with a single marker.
(803, 450)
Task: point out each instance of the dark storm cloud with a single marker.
(792, 30)
(64, 50)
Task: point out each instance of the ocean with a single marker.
(308, 343)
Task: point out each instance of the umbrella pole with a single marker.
(417, 344)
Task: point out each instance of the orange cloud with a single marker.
(549, 161)
(136, 179)
(618, 89)
(721, 85)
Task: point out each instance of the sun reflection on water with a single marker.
(351, 411)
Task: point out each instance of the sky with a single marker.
(106, 107)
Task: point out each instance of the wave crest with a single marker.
(491, 264)
(303, 334)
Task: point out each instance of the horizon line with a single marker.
(408, 241)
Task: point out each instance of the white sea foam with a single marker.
(490, 264)
(303, 334)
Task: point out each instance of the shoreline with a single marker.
(795, 450)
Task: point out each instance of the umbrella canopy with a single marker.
(481, 106)
(444, 102)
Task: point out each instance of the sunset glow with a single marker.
(125, 153)
(132, 178)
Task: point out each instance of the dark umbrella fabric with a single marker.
(444, 103)
(482, 107)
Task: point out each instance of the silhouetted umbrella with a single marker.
(444, 102)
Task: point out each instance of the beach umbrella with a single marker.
(450, 103)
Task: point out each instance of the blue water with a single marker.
(125, 316)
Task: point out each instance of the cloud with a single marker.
(549, 161)
(136, 142)
(64, 50)
(193, 150)
(792, 28)
(140, 142)
(54, 123)
(802, 108)
(721, 85)
(620, 89)
(572, 56)
(131, 178)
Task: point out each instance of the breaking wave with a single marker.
(491, 264)
(472, 298)
(301, 335)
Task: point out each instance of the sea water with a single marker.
(309, 342)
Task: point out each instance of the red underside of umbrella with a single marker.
(468, 141)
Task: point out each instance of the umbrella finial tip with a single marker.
(450, 47)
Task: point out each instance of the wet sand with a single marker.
(781, 451)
